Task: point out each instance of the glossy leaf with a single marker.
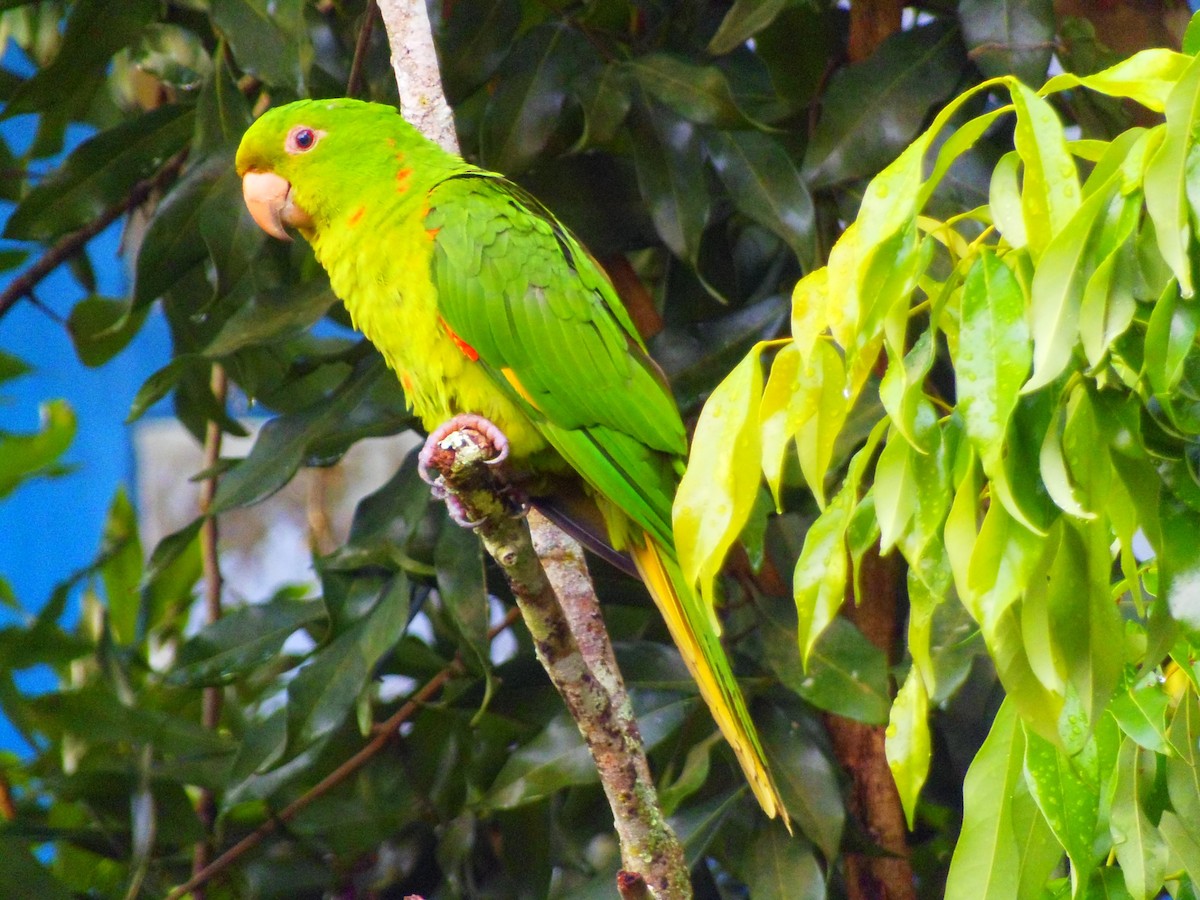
(1139, 847)
(699, 94)
(526, 111)
(1050, 192)
(782, 868)
(1147, 77)
(907, 743)
(872, 109)
(670, 173)
(717, 491)
(994, 355)
(268, 38)
(1166, 177)
(766, 186)
(744, 19)
(1009, 37)
(99, 173)
(1069, 805)
(1006, 845)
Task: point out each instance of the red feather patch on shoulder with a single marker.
(356, 216)
(403, 177)
(467, 350)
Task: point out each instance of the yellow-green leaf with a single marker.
(906, 742)
(717, 491)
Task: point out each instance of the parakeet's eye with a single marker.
(301, 139)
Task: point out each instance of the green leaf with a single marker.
(846, 674)
(1009, 37)
(1006, 849)
(222, 113)
(243, 640)
(806, 779)
(269, 38)
(322, 430)
(907, 743)
(1182, 841)
(1166, 177)
(994, 355)
(326, 690)
(271, 316)
(699, 94)
(872, 109)
(101, 328)
(1146, 77)
(1170, 338)
(743, 20)
(1058, 286)
(1179, 560)
(121, 569)
(766, 186)
(717, 491)
(526, 109)
(788, 400)
(779, 867)
(477, 39)
(1139, 847)
(99, 173)
(1069, 804)
(819, 432)
(20, 873)
(1142, 714)
(24, 456)
(819, 580)
(1050, 192)
(895, 490)
(667, 153)
(1085, 625)
(458, 557)
(557, 758)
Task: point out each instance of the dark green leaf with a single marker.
(779, 867)
(765, 185)
(101, 328)
(100, 173)
(805, 778)
(670, 171)
(526, 110)
(1009, 37)
(744, 19)
(327, 689)
(269, 38)
(874, 108)
(476, 42)
(698, 94)
(242, 640)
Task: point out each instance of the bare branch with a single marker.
(414, 59)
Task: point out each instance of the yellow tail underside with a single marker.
(647, 557)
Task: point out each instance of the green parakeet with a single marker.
(484, 304)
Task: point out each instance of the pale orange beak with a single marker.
(269, 198)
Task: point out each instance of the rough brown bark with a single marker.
(874, 801)
(573, 646)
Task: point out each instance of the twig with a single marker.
(210, 713)
(8, 809)
(590, 686)
(71, 244)
(385, 733)
(354, 82)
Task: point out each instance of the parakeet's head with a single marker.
(302, 163)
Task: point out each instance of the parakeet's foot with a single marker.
(438, 443)
(494, 436)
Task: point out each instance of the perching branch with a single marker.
(589, 683)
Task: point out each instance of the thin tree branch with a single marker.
(386, 731)
(73, 243)
(210, 713)
(590, 684)
(354, 82)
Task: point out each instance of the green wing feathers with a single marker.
(521, 291)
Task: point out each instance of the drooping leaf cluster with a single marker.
(1028, 368)
(709, 154)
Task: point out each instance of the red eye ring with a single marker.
(301, 139)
